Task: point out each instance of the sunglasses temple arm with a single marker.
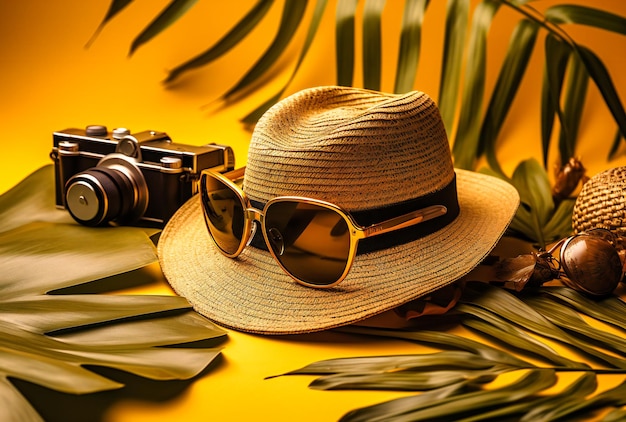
(235, 174)
(556, 246)
(405, 220)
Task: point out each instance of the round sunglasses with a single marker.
(313, 241)
(589, 261)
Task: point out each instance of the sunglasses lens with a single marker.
(310, 241)
(223, 212)
(603, 234)
(591, 264)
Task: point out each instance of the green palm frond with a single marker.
(52, 326)
(253, 116)
(344, 41)
(226, 43)
(410, 44)
(454, 383)
(480, 114)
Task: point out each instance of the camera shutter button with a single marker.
(68, 148)
(120, 132)
(96, 130)
(171, 165)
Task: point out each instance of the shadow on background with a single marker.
(54, 406)
(136, 278)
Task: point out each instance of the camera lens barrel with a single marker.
(114, 190)
(96, 196)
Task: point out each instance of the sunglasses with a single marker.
(590, 261)
(313, 241)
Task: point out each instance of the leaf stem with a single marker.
(536, 16)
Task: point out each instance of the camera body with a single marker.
(143, 177)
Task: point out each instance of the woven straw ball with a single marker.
(602, 203)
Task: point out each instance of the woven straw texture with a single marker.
(359, 149)
(601, 203)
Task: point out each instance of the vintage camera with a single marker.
(125, 178)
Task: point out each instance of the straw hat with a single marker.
(365, 151)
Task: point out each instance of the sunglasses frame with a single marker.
(564, 269)
(356, 231)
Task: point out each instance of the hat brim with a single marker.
(252, 293)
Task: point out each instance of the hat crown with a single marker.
(357, 148)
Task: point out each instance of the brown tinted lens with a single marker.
(603, 234)
(311, 242)
(591, 264)
(223, 212)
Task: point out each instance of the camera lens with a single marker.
(112, 191)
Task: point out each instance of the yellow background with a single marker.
(50, 81)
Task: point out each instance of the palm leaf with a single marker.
(569, 320)
(292, 14)
(395, 409)
(28, 202)
(227, 42)
(48, 336)
(168, 16)
(443, 340)
(115, 7)
(532, 409)
(500, 303)
(609, 309)
(474, 401)
(560, 224)
(452, 359)
(615, 415)
(615, 396)
(535, 220)
(253, 116)
(557, 54)
(344, 41)
(616, 143)
(372, 43)
(457, 390)
(468, 129)
(410, 42)
(583, 15)
(509, 79)
(501, 330)
(476, 129)
(522, 222)
(574, 101)
(600, 75)
(532, 183)
(401, 381)
(454, 44)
